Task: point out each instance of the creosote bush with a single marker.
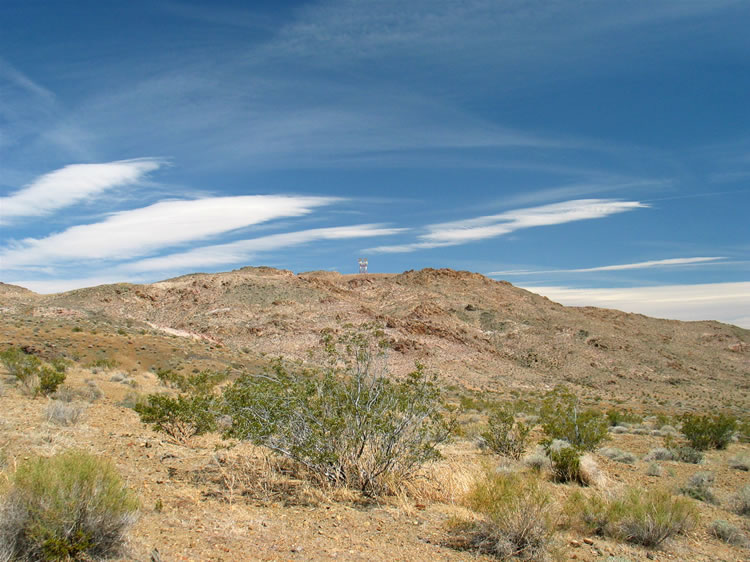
(350, 426)
(707, 431)
(517, 519)
(641, 516)
(563, 418)
(35, 376)
(506, 436)
(70, 506)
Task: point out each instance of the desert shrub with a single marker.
(740, 462)
(707, 431)
(562, 418)
(727, 532)
(654, 469)
(63, 413)
(618, 455)
(566, 461)
(740, 502)
(191, 412)
(357, 429)
(641, 516)
(537, 461)
(35, 375)
(180, 417)
(506, 436)
(660, 454)
(698, 487)
(688, 455)
(516, 517)
(70, 506)
(617, 417)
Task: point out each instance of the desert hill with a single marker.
(477, 333)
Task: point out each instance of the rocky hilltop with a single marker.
(476, 332)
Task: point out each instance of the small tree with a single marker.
(505, 435)
(352, 425)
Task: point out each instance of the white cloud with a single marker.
(726, 302)
(490, 226)
(670, 262)
(138, 232)
(243, 250)
(71, 184)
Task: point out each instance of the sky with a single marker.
(593, 151)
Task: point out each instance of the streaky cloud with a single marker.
(669, 262)
(72, 184)
(138, 232)
(490, 226)
(243, 250)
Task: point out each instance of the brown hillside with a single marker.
(476, 332)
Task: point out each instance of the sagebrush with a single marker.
(70, 506)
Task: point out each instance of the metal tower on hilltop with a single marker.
(363, 265)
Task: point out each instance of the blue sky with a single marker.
(597, 152)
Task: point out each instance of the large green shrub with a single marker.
(563, 418)
(505, 435)
(70, 506)
(356, 428)
(708, 431)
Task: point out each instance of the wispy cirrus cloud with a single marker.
(490, 226)
(138, 232)
(242, 251)
(726, 302)
(669, 262)
(73, 184)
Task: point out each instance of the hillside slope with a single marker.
(477, 333)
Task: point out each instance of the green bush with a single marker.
(708, 431)
(506, 436)
(36, 376)
(180, 417)
(70, 506)
(640, 516)
(566, 462)
(516, 517)
(357, 429)
(562, 418)
(687, 454)
(192, 412)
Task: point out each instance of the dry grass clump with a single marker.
(640, 516)
(515, 518)
(660, 454)
(618, 455)
(63, 413)
(699, 488)
(740, 502)
(70, 506)
(740, 462)
(728, 533)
